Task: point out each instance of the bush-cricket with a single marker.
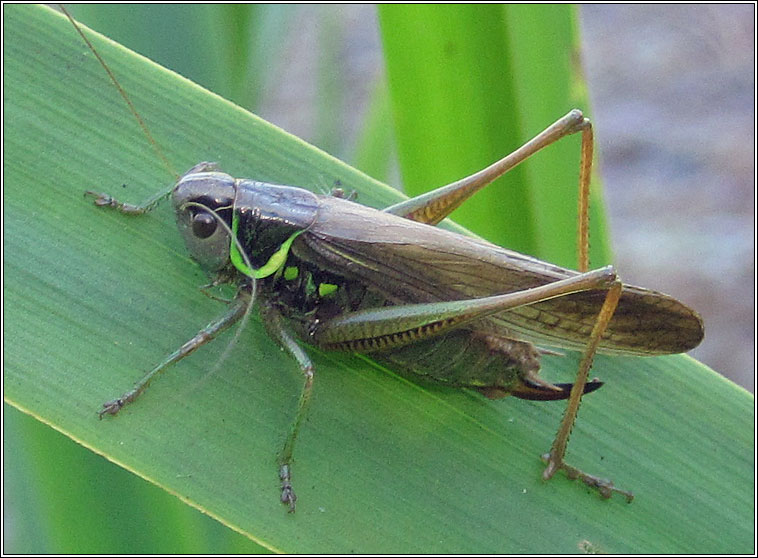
(340, 276)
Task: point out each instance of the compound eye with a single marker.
(203, 224)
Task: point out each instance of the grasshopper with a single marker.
(331, 273)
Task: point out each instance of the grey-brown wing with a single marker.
(413, 262)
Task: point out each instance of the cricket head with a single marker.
(246, 225)
(202, 198)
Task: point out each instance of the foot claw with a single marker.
(101, 200)
(289, 498)
(111, 407)
(104, 200)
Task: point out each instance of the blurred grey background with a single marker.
(672, 91)
(672, 98)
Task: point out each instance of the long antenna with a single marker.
(123, 94)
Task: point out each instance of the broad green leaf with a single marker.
(93, 299)
(59, 496)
